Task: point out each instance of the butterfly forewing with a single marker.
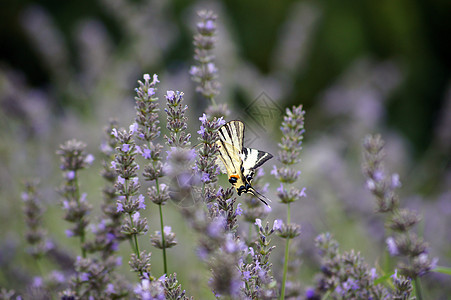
(233, 134)
(229, 158)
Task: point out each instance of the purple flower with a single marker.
(120, 180)
(309, 293)
(151, 92)
(167, 230)
(280, 188)
(391, 246)
(277, 225)
(210, 25)
(120, 207)
(274, 171)
(246, 275)
(378, 175)
(221, 121)
(69, 233)
(239, 210)
(201, 131)
(302, 193)
(202, 253)
(66, 204)
(70, 175)
(395, 274)
(205, 177)
(211, 68)
(89, 159)
(194, 71)
(125, 147)
(216, 227)
(230, 245)
(58, 276)
(141, 204)
(373, 273)
(110, 237)
(155, 79)
(350, 284)
(395, 182)
(146, 77)
(258, 222)
(133, 127)
(136, 217)
(170, 95)
(110, 288)
(84, 276)
(146, 153)
(37, 281)
(203, 119)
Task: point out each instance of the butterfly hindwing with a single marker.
(252, 159)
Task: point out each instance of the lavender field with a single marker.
(117, 180)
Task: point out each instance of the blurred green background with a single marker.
(67, 67)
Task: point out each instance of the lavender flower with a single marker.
(205, 72)
(290, 146)
(36, 235)
(169, 239)
(108, 231)
(206, 162)
(74, 158)
(147, 109)
(402, 242)
(176, 120)
(173, 290)
(344, 276)
(129, 201)
(256, 269)
(150, 290)
(94, 279)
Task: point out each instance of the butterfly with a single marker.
(237, 161)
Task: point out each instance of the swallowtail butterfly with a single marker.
(237, 161)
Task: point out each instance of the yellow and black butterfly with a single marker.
(239, 162)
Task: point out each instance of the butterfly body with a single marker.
(237, 161)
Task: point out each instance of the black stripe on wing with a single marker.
(229, 157)
(252, 159)
(233, 133)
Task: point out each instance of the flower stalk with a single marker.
(290, 146)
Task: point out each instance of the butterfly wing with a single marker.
(229, 158)
(239, 162)
(232, 133)
(252, 159)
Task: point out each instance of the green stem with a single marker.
(165, 265)
(135, 244)
(285, 263)
(326, 295)
(417, 284)
(162, 241)
(77, 198)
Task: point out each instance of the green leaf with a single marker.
(383, 278)
(443, 270)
